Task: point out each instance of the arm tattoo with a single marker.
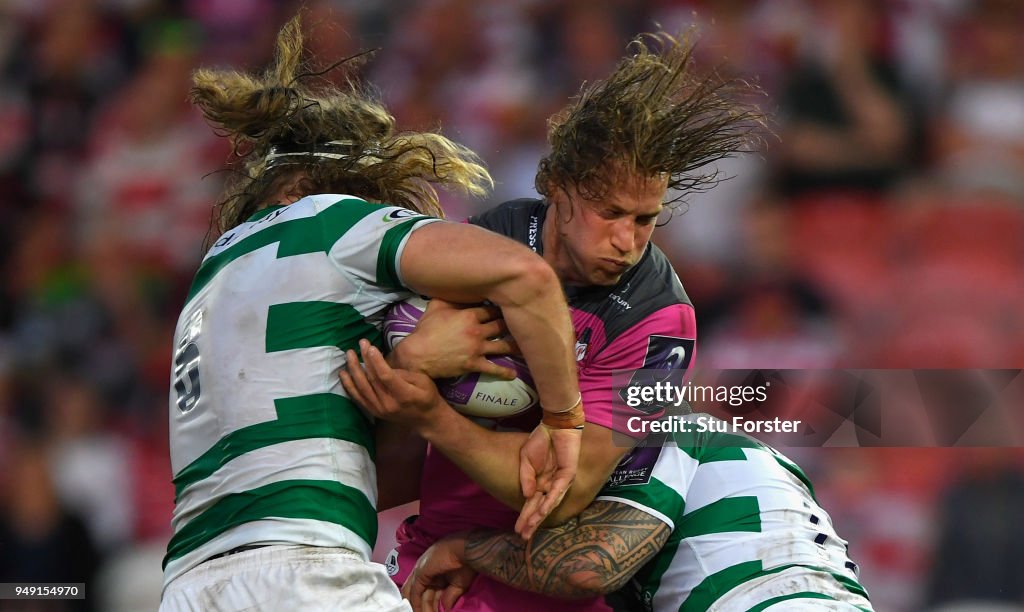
(594, 553)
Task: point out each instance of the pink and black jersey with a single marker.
(646, 321)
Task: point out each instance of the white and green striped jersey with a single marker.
(747, 532)
(265, 446)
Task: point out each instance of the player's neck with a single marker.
(554, 251)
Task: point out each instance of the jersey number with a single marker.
(186, 364)
(186, 376)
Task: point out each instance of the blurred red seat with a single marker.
(942, 341)
(842, 242)
(840, 222)
(981, 231)
(972, 284)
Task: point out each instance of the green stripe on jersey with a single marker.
(298, 325)
(387, 270)
(717, 584)
(849, 584)
(720, 583)
(708, 447)
(795, 470)
(723, 516)
(321, 415)
(321, 500)
(655, 495)
(293, 237)
(805, 595)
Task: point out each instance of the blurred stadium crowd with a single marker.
(882, 226)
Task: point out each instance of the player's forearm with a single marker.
(575, 501)
(490, 458)
(504, 557)
(598, 458)
(592, 555)
(533, 307)
(462, 263)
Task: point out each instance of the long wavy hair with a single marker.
(655, 115)
(289, 122)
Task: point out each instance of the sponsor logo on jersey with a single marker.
(618, 299)
(666, 361)
(668, 353)
(636, 467)
(401, 213)
(224, 240)
(531, 236)
(391, 562)
(581, 350)
(582, 343)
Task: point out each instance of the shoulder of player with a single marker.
(357, 206)
(338, 213)
(510, 218)
(656, 276)
(316, 205)
(321, 220)
(649, 301)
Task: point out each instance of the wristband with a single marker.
(579, 400)
(573, 418)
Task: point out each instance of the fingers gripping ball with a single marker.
(473, 394)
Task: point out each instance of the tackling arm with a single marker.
(446, 260)
(591, 555)
(485, 456)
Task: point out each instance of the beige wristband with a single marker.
(573, 418)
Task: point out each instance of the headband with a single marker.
(334, 149)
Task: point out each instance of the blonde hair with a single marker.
(653, 116)
(289, 109)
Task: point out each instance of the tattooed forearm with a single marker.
(592, 554)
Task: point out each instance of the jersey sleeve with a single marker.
(653, 497)
(366, 240)
(653, 479)
(497, 219)
(664, 340)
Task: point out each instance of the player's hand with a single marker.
(452, 339)
(409, 398)
(547, 467)
(440, 576)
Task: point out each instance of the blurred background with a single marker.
(882, 226)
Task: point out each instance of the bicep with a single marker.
(639, 531)
(600, 550)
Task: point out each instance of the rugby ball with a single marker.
(473, 394)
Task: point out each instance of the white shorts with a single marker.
(285, 578)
